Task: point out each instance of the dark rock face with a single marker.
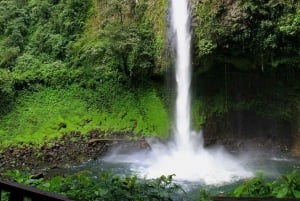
(243, 130)
(296, 134)
(72, 148)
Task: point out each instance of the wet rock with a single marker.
(71, 148)
(210, 142)
(55, 166)
(38, 176)
(62, 125)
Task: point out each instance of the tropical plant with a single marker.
(106, 186)
(288, 186)
(254, 187)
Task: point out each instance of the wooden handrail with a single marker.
(17, 192)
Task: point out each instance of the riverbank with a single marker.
(74, 148)
(70, 149)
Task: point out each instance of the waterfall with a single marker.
(185, 156)
(180, 19)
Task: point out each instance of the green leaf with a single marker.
(239, 191)
(283, 192)
(296, 193)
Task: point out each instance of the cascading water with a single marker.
(185, 156)
(180, 24)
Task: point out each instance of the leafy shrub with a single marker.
(122, 47)
(30, 70)
(6, 89)
(286, 187)
(86, 187)
(255, 187)
(266, 31)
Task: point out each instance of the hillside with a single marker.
(79, 65)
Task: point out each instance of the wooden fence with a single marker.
(18, 192)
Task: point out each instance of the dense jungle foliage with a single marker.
(72, 62)
(104, 64)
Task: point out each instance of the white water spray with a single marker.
(180, 24)
(185, 156)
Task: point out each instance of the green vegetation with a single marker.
(263, 32)
(80, 65)
(286, 187)
(42, 115)
(85, 185)
(108, 59)
(198, 114)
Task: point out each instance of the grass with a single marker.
(48, 113)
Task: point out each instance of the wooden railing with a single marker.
(253, 199)
(18, 192)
